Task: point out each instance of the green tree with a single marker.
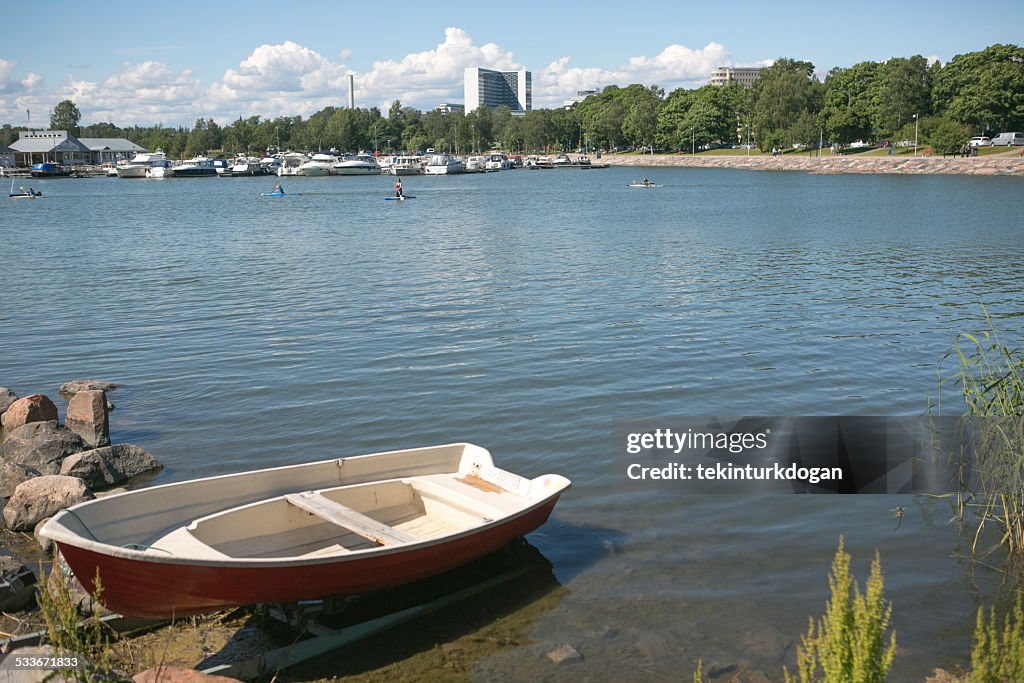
(781, 94)
(904, 89)
(65, 116)
(947, 137)
(984, 90)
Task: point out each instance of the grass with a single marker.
(88, 642)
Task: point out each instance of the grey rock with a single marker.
(7, 397)
(72, 387)
(102, 468)
(60, 576)
(12, 474)
(17, 583)
(45, 543)
(43, 497)
(565, 654)
(42, 445)
(87, 417)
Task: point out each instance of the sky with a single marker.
(144, 63)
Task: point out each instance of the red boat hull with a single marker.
(145, 588)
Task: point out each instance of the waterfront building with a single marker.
(6, 157)
(58, 146)
(110, 150)
(580, 96)
(450, 108)
(744, 75)
(488, 88)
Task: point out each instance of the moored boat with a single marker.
(140, 164)
(337, 527)
(198, 167)
(359, 164)
(406, 165)
(49, 170)
(443, 164)
(320, 165)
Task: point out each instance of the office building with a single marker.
(488, 88)
(744, 75)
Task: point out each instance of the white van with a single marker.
(1007, 139)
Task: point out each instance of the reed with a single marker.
(998, 653)
(990, 379)
(849, 644)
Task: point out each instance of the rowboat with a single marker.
(345, 526)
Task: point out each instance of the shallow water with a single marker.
(524, 311)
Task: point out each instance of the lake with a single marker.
(524, 311)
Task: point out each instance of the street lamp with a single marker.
(693, 142)
(915, 135)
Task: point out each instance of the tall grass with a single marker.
(990, 379)
(87, 641)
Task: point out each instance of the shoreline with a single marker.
(832, 165)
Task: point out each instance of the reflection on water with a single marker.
(525, 311)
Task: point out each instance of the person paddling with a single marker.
(278, 188)
(398, 189)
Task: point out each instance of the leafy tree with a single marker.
(984, 90)
(904, 89)
(65, 116)
(781, 93)
(947, 137)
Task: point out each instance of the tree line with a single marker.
(975, 93)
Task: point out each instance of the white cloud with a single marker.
(673, 67)
(291, 79)
(18, 94)
(147, 92)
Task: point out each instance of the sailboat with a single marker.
(22, 193)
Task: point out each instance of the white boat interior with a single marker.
(304, 512)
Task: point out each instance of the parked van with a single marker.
(1007, 139)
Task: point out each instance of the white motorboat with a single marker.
(289, 163)
(497, 162)
(140, 164)
(160, 169)
(246, 166)
(359, 164)
(443, 164)
(406, 165)
(319, 165)
(476, 164)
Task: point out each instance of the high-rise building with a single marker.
(495, 88)
(744, 75)
(580, 96)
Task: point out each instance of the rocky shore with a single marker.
(47, 466)
(994, 165)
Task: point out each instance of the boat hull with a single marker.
(164, 589)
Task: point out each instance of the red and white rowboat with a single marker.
(337, 527)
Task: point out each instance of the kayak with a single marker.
(279, 193)
(398, 199)
(644, 185)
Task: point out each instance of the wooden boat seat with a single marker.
(344, 516)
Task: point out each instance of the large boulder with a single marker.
(74, 386)
(42, 445)
(34, 408)
(12, 474)
(43, 497)
(102, 468)
(87, 417)
(7, 397)
(17, 583)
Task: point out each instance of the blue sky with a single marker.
(143, 62)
